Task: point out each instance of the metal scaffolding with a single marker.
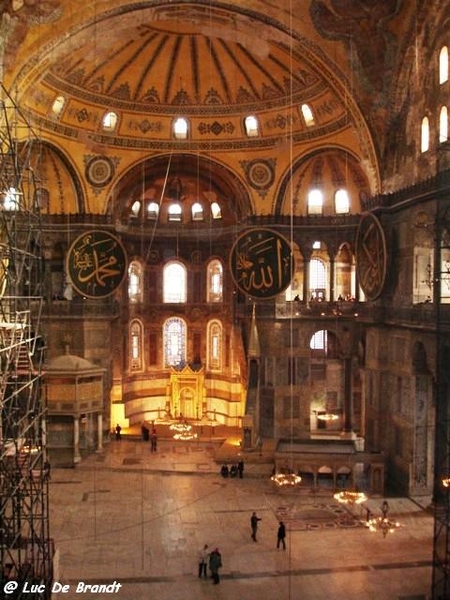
(25, 545)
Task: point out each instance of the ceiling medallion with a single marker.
(99, 171)
(260, 173)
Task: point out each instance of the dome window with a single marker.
(136, 208)
(152, 211)
(174, 213)
(197, 212)
(110, 121)
(180, 129)
(58, 105)
(216, 211)
(251, 126)
(307, 115)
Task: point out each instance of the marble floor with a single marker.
(129, 523)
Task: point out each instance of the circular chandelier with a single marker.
(383, 524)
(328, 416)
(286, 479)
(350, 497)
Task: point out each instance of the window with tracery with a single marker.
(174, 283)
(215, 345)
(136, 346)
(135, 287)
(214, 281)
(174, 337)
(317, 279)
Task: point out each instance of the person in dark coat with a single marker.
(215, 563)
(281, 535)
(118, 434)
(241, 469)
(254, 519)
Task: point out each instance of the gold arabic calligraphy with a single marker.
(94, 259)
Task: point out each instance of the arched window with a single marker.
(180, 128)
(317, 280)
(341, 202)
(216, 211)
(214, 345)
(197, 212)
(307, 115)
(443, 65)
(214, 281)
(174, 336)
(174, 213)
(315, 202)
(443, 125)
(58, 105)
(109, 122)
(425, 135)
(152, 211)
(251, 126)
(174, 283)
(135, 287)
(135, 208)
(136, 346)
(319, 340)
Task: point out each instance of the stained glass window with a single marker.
(174, 342)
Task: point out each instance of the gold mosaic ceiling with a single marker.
(151, 65)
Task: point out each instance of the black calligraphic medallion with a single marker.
(371, 256)
(96, 263)
(261, 263)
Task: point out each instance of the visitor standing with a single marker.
(281, 535)
(118, 432)
(215, 563)
(203, 556)
(254, 520)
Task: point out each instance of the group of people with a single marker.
(212, 559)
(281, 533)
(234, 471)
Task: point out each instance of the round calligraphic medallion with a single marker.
(96, 263)
(260, 174)
(99, 171)
(261, 263)
(371, 256)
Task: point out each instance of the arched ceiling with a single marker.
(151, 61)
(211, 64)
